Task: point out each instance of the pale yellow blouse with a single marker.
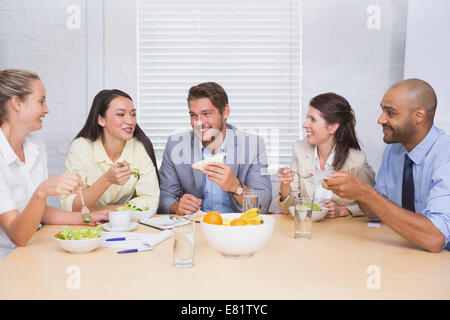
(92, 162)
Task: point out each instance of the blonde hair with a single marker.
(14, 83)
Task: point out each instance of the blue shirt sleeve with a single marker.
(381, 182)
(437, 206)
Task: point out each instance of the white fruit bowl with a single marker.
(79, 246)
(238, 241)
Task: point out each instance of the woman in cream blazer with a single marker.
(331, 144)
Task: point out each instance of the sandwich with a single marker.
(202, 164)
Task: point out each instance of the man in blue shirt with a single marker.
(412, 191)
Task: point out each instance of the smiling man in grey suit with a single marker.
(219, 186)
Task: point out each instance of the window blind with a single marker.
(251, 48)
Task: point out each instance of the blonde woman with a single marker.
(331, 145)
(24, 182)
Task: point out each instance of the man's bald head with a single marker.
(420, 94)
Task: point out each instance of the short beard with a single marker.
(403, 135)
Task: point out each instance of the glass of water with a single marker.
(184, 243)
(302, 218)
(250, 200)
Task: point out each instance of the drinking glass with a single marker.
(250, 200)
(303, 218)
(183, 245)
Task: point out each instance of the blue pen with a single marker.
(123, 238)
(135, 250)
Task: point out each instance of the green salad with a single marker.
(132, 207)
(79, 234)
(315, 207)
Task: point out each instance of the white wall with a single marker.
(121, 46)
(340, 54)
(34, 35)
(427, 54)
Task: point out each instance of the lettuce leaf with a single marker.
(79, 234)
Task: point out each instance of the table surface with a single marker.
(346, 259)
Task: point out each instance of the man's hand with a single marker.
(188, 204)
(345, 185)
(222, 175)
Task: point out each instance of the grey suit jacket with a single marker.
(246, 155)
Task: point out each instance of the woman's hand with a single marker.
(99, 217)
(335, 211)
(119, 173)
(285, 175)
(62, 184)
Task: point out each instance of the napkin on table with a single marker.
(150, 238)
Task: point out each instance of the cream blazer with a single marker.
(303, 162)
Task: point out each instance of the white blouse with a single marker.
(19, 180)
(321, 194)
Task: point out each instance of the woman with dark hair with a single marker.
(114, 157)
(331, 145)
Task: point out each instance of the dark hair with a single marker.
(92, 130)
(336, 109)
(210, 90)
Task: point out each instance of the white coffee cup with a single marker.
(119, 219)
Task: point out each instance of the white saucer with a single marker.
(130, 227)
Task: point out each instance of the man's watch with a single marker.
(239, 189)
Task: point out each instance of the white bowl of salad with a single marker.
(137, 213)
(318, 213)
(79, 240)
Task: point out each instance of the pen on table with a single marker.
(135, 250)
(123, 238)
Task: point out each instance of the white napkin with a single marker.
(149, 238)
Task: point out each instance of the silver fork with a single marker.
(303, 176)
(84, 210)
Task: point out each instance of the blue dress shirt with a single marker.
(431, 170)
(214, 197)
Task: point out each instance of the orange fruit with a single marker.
(238, 222)
(213, 217)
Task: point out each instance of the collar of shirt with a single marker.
(208, 153)
(328, 163)
(100, 155)
(418, 154)
(30, 148)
